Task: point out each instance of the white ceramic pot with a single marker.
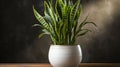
(65, 55)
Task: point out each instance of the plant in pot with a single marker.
(60, 22)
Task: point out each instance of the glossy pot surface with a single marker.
(65, 55)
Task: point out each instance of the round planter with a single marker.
(65, 55)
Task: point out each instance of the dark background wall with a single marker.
(19, 41)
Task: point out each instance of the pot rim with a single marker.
(65, 45)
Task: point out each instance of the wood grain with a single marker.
(48, 65)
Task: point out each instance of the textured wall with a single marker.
(102, 45)
(19, 42)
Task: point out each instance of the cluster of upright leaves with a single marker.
(60, 21)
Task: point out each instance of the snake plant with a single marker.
(60, 21)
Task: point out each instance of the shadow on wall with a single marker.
(102, 45)
(17, 34)
(19, 42)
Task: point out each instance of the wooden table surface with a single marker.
(48, 65)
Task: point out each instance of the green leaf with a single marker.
(49, 11)
(65, 2)
(70, 3)
(48, 18)
(73, 19)
(90, 23)
(60, 21)
(74, 10)
(83, 23)
(79, 11)
(83, 32)
(58, 8)
(46, 31)
(64, 14)
(40, 35)
(43, 23)
(36, 25)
